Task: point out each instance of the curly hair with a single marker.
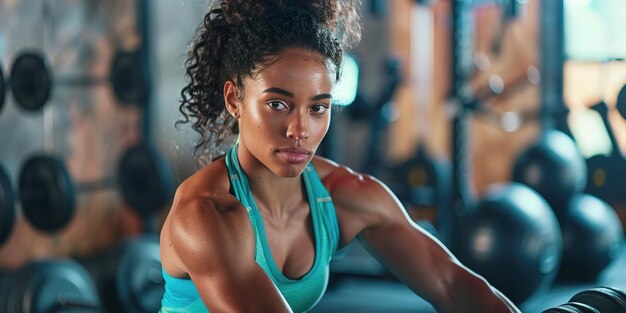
(238, 38)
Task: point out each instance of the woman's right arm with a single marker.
(216, 243)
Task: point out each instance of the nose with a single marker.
(298, 128)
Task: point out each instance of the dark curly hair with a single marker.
(238, 39)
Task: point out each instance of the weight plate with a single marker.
(46, 193)
(56, 286)
(145, 179)
(127, 78)
(604, 299)
(583, 308)
(140, 283)
(30, 81)
(564, 308)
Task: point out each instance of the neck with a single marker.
(274, 195)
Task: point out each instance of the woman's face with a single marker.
(285, 111)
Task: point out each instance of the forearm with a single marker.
(470, 293)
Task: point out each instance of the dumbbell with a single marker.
(7, 206)
(601, 299)
(129, 277)
(48, 194)
(605, 299)
(48, 286)
(31, 79)
(572, 307)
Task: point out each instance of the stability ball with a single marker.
(592, 237)
(553, 167)
(511, 238)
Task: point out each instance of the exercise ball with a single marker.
(552, 166)
(512, 239)
(592, 237)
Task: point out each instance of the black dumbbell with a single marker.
(129, 277)
(48, 194)
(572, 307)
(31, 80)
(145, 179)
(7, 206)
(48, 286)
(604, 299)
(140, 282)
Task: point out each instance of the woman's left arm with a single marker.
(412, 254)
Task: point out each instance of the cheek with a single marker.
(254, 117)
(323, 125)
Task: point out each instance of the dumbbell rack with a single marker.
(134, 265)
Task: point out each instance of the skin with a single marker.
(207, 235)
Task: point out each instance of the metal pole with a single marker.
(552, 51)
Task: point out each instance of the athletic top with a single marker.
(181, 296)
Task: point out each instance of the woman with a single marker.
(254, 230)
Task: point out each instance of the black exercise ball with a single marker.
(553, 167)
(592, 237)
(511, 238)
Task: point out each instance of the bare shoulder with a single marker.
(332, 173)
(205, 220)
(361, 200)
(348, 187)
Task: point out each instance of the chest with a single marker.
(291, 242)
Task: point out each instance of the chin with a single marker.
(289, 170)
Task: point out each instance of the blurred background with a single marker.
(442, 100)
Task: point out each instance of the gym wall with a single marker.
(90, 130)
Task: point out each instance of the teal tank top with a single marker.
(181, 296)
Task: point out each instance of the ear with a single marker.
(231, 99)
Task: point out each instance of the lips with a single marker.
(294, 155)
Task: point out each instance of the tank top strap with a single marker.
(239, 182)
(323, 205)
(238, 178)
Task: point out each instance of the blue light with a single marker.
(344, 92)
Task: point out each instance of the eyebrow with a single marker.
(286, 93)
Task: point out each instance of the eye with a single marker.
(277, 105)
(319, 108)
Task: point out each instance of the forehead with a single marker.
(295, 66)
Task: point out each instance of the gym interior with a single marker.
(499, 124)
